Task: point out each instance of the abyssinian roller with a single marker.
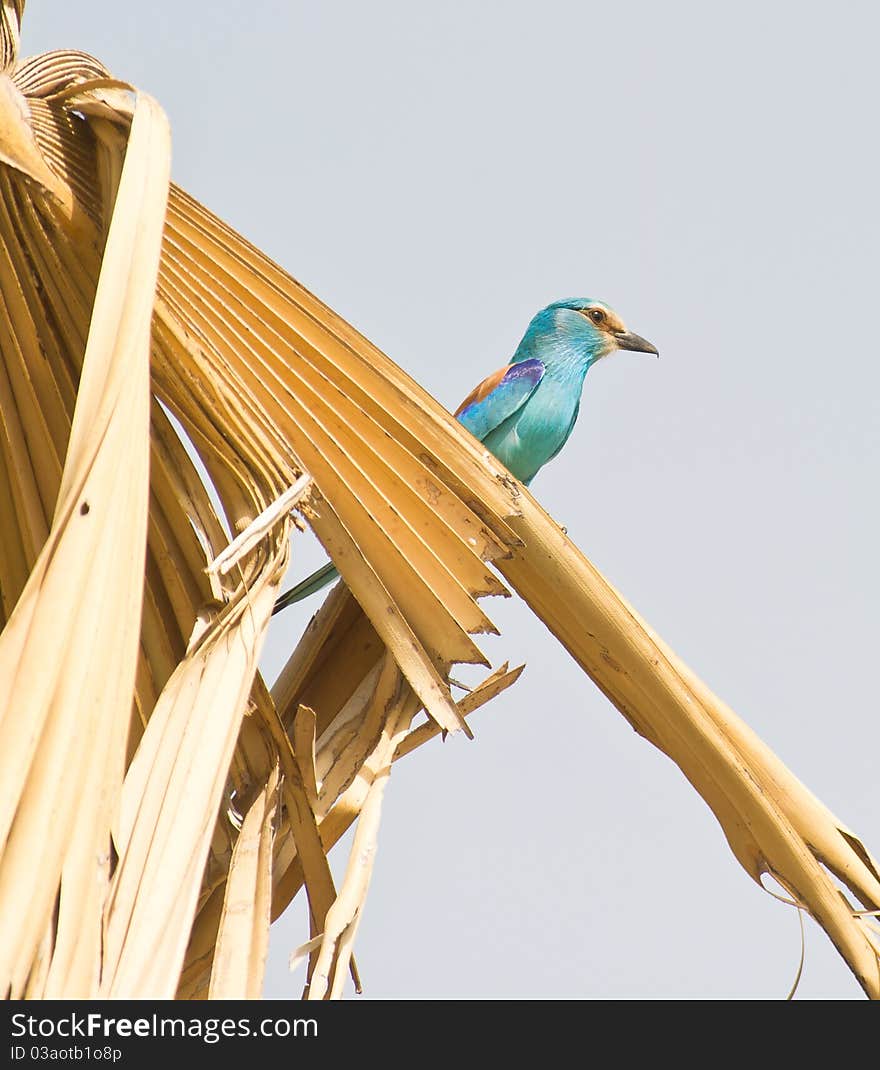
(525, 412)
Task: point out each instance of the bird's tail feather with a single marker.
(326, 574)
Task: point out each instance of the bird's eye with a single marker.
(597, 315)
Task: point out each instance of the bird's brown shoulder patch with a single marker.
(484, 389)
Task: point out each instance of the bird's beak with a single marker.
(635, 342)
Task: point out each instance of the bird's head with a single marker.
(579, 329)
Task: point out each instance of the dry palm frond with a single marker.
(158, 803)
(772, 822)
(242, 942)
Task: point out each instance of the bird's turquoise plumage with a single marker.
(525, 412)
(520, 380)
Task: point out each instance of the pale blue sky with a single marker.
(439, 172)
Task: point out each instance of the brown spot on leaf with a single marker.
(610, 662)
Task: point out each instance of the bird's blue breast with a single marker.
(534, 434)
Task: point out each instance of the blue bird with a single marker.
(524, 412)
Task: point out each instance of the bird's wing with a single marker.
(567, 433)
(499, 396)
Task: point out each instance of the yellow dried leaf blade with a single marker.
(254, 759)
(68, 149)
(177, 496)
(355, 733)
(36, 981)
(26, 522)
(317, 875)
(304, 724)
(53, 72)
(340, 732)
(386, 389)
(337, 817)
(337, 455)
(35, 404)
(161, 645)
(284, 353)
(610, 643)
(46, 319)
(219, 415)
(181, 489)
(484, 692)
(339, 647)
(170, 800)
(286, 386)
(75, 966)
(76, 960)
(299, 816)
(170, 580)
(301, 953)
(332, 960)
(394, 630)
(95, 373)
(10, 31)
(67, 264)
(18, 149)
(83, 580)
(14, 562)
(243, 936)
(347, 725)
(446, 633)
(830, 839)
(420, 604)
